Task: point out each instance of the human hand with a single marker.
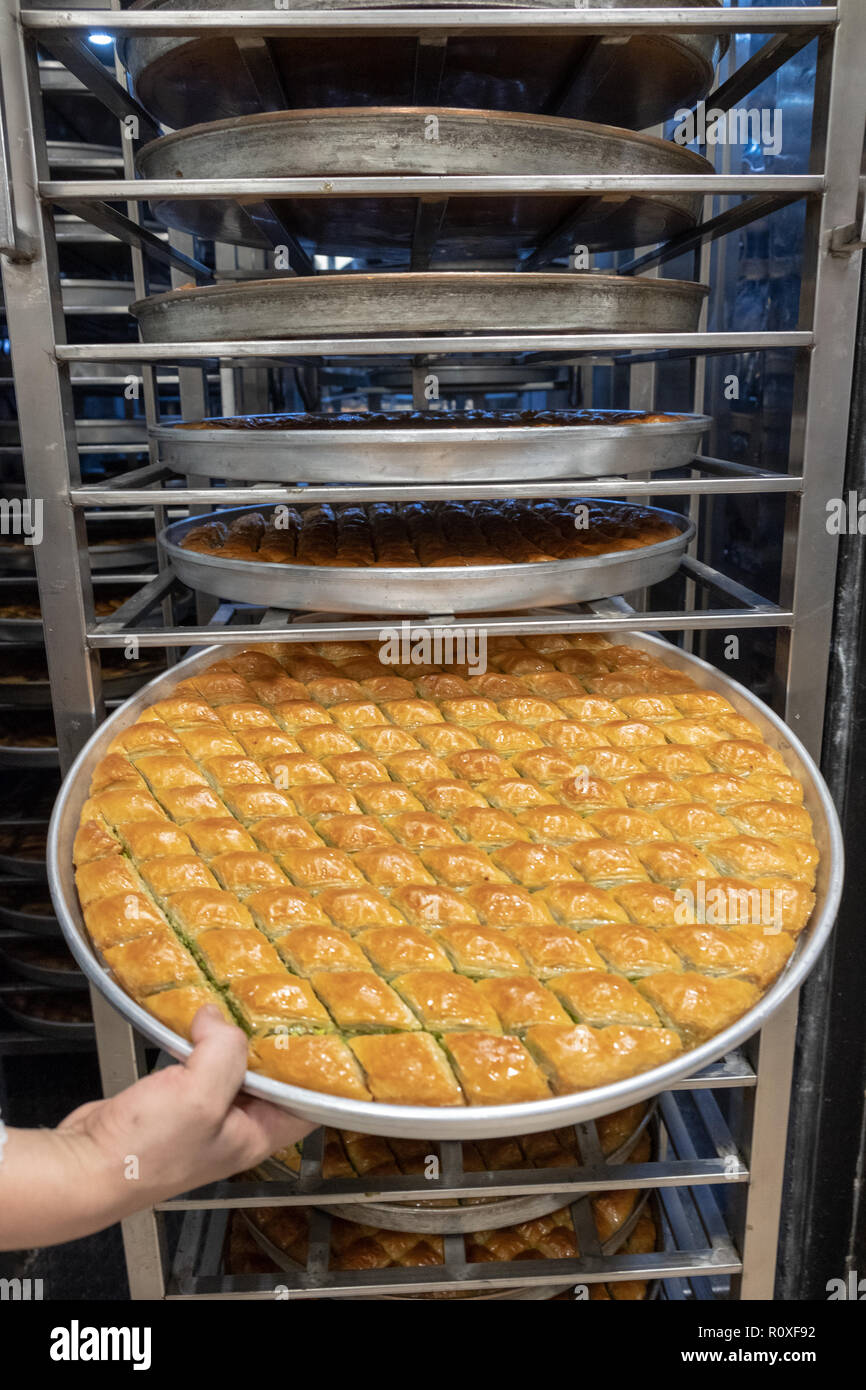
(186, 1125)
(175, 1130)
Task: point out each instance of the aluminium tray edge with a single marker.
(452, 454)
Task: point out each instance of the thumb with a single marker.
(218, 1060)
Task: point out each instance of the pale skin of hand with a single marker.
(183, 1126)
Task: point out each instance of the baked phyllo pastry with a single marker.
(422, 885)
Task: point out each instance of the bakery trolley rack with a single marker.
(720, 1168)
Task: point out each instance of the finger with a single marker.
(218, 1060)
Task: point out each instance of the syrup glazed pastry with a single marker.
(431, 534)
(431, 419)
(617, 1216)
(622, 1137)
(353, 1246)
(456, 922)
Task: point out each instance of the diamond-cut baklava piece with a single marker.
(276, 834)
(494, 1069)
(433, 906)
(215, 835)
(421, 830)
(279, 909)
(598, 999)
(445, 1002)
(753, 953)
(313, 800)
(177, 1008)
(279, 1003)
(197, 910)
(581, 1057)
(698, 1006)
(445, 739)
(534, 866)
(229, 952)
(154, 840)
(633, 950)
(322, 868)
(386, 798)
(508, 906)
(552, 950)
(521, 1001)
(121, 917)
(396, 950)
(477, 765)
(352, 909)
(312, 1062)
(306, 950)
(461, 867)
(152, 962)
(360, 1002)
(407, 1069)
(353, 832)
(174, 874)
(326, 740)
(672, 862)
(480, 951)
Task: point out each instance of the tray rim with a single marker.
(602, 129)
(419, 279)
(459, 434)
(372, 1117)
(416, 455)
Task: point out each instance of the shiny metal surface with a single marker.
(491, 588)
(482, 1121)
(637, 82)
(372, 140)
(464, 455)
(438, 301)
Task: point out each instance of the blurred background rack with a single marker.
(773, 362)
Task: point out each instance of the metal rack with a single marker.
(708, 1236)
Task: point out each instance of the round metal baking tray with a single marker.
(36, 694)
(446, 589)
(375, 141)
(636, 81)
(34, 924)
(467, 454)
(22, 865)
(44, 1027)
(470, 1122)
(71, 979)
(481, 1215)
(104, 556)
(458, 301)
(530, 1292)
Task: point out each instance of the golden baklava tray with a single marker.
(412, 535)
(424, 887)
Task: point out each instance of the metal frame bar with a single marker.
(705, 1253)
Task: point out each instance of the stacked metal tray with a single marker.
(443, 1217)
(637, 80)
(425, 302)
(331, 143)
(439, 589)
(467, 453)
